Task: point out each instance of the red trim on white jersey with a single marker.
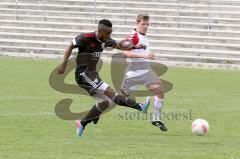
(133, 38)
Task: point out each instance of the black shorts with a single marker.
(89, 82)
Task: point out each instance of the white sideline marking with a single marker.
(28, 114)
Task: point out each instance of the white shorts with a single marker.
(130, 84)
(100, 97)
(99, 93)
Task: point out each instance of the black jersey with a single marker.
(89, 51)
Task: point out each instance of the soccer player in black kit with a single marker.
(90, 47)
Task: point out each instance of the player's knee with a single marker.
(160, 95)
(109, 92)
(158, 90)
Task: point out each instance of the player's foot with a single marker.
(160, 124)
(145, 105)
(95, 121)
(80, 128)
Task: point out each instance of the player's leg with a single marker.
(99, 108)
(105, 89)
(92, 115)
(123, 101)
(131, 84)
(155, 85)
(95, 112)
(95, 88)
(100, 97)
(157, 89)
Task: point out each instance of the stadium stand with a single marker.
(182, 32)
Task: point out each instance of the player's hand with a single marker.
(110, 44)
(62, 67)
(149, 56)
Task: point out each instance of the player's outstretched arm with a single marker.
(127, 45)
(130, 54)
(67, 54)
(122, 45)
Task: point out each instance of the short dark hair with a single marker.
(105, 22)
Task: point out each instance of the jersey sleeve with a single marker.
(79, 41)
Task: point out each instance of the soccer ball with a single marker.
(200, 127)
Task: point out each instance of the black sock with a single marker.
(122, 101)
(93, 113)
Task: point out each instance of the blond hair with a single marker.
(141, 17)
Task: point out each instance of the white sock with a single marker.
(157, 108)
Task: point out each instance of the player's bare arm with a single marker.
(67, 54)
(130, 54)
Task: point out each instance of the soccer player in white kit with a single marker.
(139, 72)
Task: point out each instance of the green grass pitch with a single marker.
(29, 127)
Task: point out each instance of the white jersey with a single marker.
(138, 66)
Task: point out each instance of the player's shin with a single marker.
(157, 108)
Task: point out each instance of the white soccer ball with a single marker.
(200, 127)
